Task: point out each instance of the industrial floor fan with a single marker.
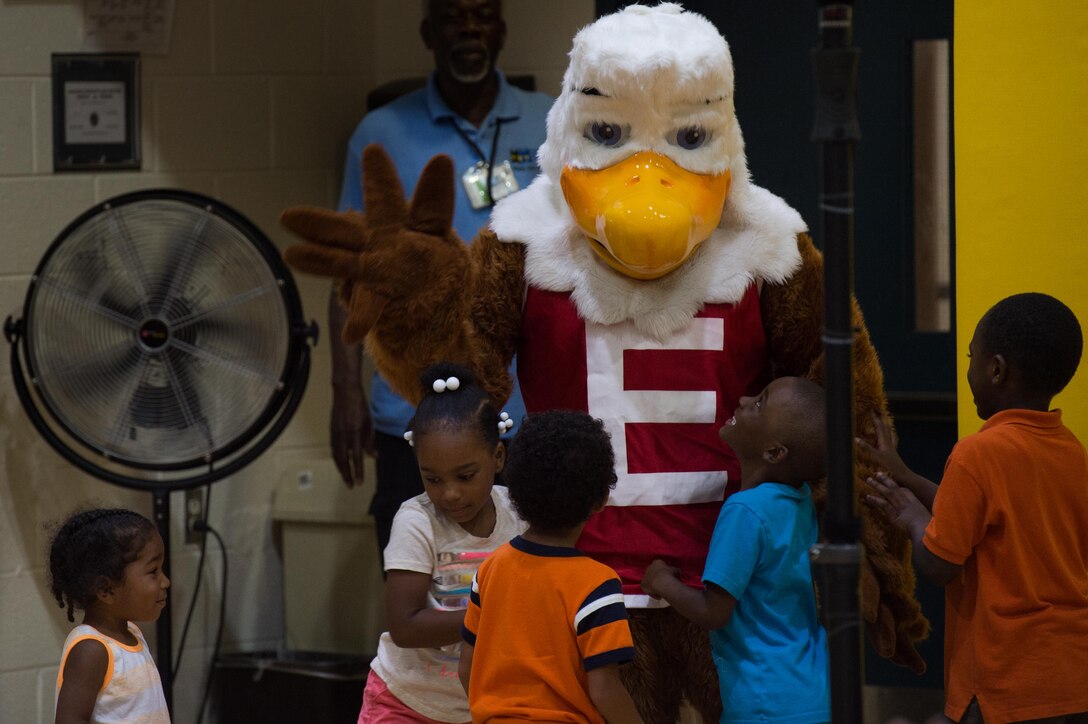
(162, 348)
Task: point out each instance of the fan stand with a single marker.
(216, 231)
(164, 634)
(160, 496)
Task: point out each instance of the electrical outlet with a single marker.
(305, 479)
(194, 511)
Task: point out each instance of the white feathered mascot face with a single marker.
(643, 139)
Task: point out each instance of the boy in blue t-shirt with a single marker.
(758, 600)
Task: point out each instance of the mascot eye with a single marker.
(606, 134)
(691, 137)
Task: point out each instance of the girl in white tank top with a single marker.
(108, 562)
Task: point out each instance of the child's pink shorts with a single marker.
(380, 706)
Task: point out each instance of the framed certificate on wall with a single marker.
(96, 118)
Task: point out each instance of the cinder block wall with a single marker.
(253, 106)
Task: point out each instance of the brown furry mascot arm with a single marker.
(497, 291)
(793, 314)
(410, 286)
(403, 272)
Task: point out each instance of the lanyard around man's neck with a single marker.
(489, 160)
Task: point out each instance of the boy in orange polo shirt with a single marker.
(546, 628)
(1008, 533)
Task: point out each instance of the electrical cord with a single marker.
(202, 525)
(196, 586)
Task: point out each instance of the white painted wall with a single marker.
(253, 105)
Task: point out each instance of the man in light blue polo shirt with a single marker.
(491, 129)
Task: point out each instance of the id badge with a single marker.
(503, 183)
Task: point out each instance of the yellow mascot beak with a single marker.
(645, 215)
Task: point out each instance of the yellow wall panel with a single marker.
(1021, 136)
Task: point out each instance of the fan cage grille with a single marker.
(159, 331)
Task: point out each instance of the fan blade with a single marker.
(132, 263)
(111, 365)
(86, 391)
(222, 338)
(165, 397)
(224, 306)
(182, 387)
(236, 334)
(153, 250)
(183, 253)
(244, 368)
(90, 286)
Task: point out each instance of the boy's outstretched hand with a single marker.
(710, 607)
(905, 511)
(884, 455)
(658, 574)
(901, 506)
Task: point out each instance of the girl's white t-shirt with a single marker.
(426, 541)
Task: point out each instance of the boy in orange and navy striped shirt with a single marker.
(546, 629)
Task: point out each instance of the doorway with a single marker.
(904, 200)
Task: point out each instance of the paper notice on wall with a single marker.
(94, 112)
(127, 26)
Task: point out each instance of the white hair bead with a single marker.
(450, 383)
(408, 436)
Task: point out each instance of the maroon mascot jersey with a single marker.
(663, 402)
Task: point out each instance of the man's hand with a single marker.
(351, 436)
(351, 432)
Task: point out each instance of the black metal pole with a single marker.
(163, 627)
(836, 132)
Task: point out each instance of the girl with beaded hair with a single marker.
(438, 540)
(108, 563)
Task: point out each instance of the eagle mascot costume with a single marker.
(643, 278)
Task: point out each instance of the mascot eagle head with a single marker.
(644, 210)
(643, 140)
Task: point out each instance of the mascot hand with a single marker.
(388, 257)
